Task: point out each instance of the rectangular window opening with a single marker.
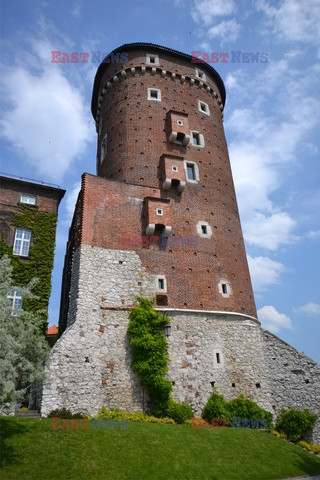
(204, 229)
(28, 199)
(161, 283)
(191, 171)
(224, 288)
(180, 137)
(22, 242)
(218, 357)
(195, 138)
(15, 297)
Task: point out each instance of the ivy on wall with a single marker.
(149, 351)
(39, 263)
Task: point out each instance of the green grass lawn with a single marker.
(30, 449)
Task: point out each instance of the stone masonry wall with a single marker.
(90, 364)
(294, 378)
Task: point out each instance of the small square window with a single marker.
(174, 168)
(28, 199)
(180, 137)
(203, 107)
(154, 94)
(159, 211)
(200, 74)
(153, 59)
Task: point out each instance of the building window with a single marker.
(161, 284)
(174, 168)
(154, 94)
(203, 107)
(21, 242)
(192, 171)
(204, 230)
(15, 297)
(218, 357)
(159, 211)
(152, 59)
(197, 139)
(200, 74)
(224, 288)
(103, 152)
(29, 199)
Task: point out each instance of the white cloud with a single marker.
(264, 272)
(313, 234)
(273, 320)
(226, 31)
(312, 308)
(71, 199)
(269, 231)
(46, 120)
(205, 11)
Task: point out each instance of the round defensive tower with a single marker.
(159, 119)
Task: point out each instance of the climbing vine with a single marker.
(149, 351)
(39, 263)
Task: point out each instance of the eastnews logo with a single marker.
(83, 423)
(83, 57)
(232, 57)
(234, 422)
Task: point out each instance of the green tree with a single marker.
(23, 348)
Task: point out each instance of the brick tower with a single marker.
(160, 219)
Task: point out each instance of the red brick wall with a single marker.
(137, 131)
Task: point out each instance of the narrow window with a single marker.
(103, 152)
(15, 297)
(224, 287)
(204, 229)
(218, 357)
(29, 199)
(21, 242)
(161, 283)
(190, 171)
(196, 138)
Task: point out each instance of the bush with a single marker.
(246, 408)
(216, 407)
(65, 413)
(312, 447)
(179, 412)
(240, 407)
(118, 414)
(295, 423)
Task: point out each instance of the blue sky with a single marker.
(271, 122)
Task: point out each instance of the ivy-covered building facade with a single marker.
(28, 221)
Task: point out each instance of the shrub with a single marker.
(132, 417)
(240, 407)
(295, 423)
(216, 407)
(65, 413)
(246, 408)
(179, 412)
(310, 446)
